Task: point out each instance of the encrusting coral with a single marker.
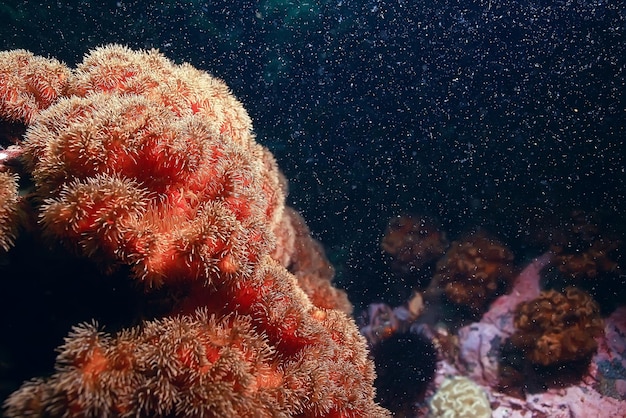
(474, 271)
(558, 327)
(144, 163)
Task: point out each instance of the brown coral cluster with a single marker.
(413, 241)
(582, 250)
(144, 163)
(558, 327)
(474, 271)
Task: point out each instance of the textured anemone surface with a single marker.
(29, 83)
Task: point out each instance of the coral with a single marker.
(9, 200)
(459, 397)
(307, 361)
(474, 271)
(413, 241)
(28, 84)
(183, 89)
(129, 177)
(207, 366)
(153, 166)
(525, 287)
(598, 391)
(558, 327)
(582, 250)
(207, 358)
(198, 201)
(480, 343)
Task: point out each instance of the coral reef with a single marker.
(479, 352)
(151, 168)
(558, 327)
(482, 351)
(474, 271)
(598, 391)
(202, 200)
(203, 365)
(459, 397)
(480, 342)
(207, 195)
(210, 361)
(413, 241)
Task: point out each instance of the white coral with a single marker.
(459, 397)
